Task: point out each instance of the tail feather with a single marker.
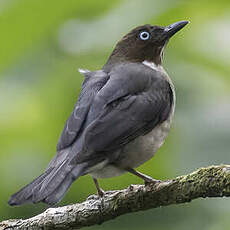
(60, 191)
(51, 186)
(57, 183)
(51, 182)
(24, 195)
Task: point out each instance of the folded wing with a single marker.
(133, 101)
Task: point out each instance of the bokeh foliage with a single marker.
(43, 43)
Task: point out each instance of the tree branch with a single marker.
(213, 181)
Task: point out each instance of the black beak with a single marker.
(170, 30)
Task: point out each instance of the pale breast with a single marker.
(144, 147)
(136, 152)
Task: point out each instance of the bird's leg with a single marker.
(147, 179)
(100, 192)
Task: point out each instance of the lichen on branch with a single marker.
(213, 181)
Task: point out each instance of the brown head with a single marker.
(143, 43)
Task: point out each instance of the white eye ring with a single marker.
(144, 35)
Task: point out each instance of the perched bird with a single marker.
(120, 120)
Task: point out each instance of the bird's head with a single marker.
(144, 43)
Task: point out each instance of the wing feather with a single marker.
(93, 82)
(133, 101)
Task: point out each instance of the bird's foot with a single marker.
(150, 181)
(100, 193)
(147, 179)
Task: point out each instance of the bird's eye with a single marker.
(144, 35)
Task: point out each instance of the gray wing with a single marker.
(134, 100)
(93, 82)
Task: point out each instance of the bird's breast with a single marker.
(136, 152)
(144, 147)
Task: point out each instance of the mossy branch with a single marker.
(213, 181)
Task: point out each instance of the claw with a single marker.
(150, 181)
(100, 193)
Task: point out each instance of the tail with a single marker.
(51, 186)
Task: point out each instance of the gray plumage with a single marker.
(121, 118)
(112, 110)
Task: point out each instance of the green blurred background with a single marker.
(43, 43)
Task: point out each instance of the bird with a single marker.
(121, 118)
